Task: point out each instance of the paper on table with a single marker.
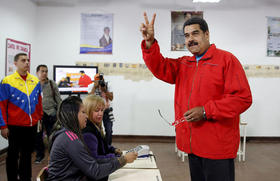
(148, 162)
(136, 175)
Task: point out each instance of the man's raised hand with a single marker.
(147, 30)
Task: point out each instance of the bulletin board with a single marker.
(96, 33)
(14, 47)
(138, 71)
(273, 36)
(178, 18)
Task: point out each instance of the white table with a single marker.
(135, 175)
(142, 169)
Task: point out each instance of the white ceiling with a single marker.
(166, 4)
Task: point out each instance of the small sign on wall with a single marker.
(14, 47)
(273, 36)
(178, 18)
(96, 33)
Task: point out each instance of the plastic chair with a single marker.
(43, 174)
(242, 146)
(180, 153)
(183, 154)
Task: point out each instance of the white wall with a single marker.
(17, 21)
(58, 38)
(241, 31)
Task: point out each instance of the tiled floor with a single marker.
(262, 162)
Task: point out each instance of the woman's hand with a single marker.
(130, 157)
(118, 152)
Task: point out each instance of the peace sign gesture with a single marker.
(147, 30)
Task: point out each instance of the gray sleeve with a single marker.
(103, 160)
(56, 92)
(87, 164)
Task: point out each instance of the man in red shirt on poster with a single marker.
(84, 80)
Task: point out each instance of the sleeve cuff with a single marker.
(207, 111)
(204, 114)
(143, 46)
(122, 161)
(3, 127)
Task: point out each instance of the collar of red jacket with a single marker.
(19, 77)
(207, 55)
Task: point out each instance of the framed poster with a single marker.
(14, 47)
(96, 34)
(178, 18)
(273, 36)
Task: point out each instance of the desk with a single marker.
(135, 175)
(142, 169)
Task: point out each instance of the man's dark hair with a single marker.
(39, 66)
(185, 14)
(197, 20)
(18, 55)
(82, 72)
(106, 28)
(68, 79)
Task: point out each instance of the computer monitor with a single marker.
(73, 79)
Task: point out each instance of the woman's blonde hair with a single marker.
(91, 102)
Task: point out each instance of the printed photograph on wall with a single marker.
(96, 34)
(273, 36)
(178, 18)
(14, 47)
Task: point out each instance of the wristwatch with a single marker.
(204, 113)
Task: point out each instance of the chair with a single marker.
(242, 146)
(182, 154)
(43, 174)
(179, 152)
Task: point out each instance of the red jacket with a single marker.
(84, 81)
(20, 101)
(219, 84)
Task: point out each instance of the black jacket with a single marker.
(70, 161)
(103, 147)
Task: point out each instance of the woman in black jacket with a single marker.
(93, 134)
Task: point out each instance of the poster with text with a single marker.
(273, 36)
(96, 34)
(14, 47)
(178, 18)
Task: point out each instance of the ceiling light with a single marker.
(206, 1)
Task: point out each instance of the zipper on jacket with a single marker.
(29, 106)
(196, 67)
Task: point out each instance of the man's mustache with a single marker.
(191, 43)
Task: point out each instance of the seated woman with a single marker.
(93, 133)
(70, 159)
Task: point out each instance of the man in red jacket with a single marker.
(211, 91)
(84, 79)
